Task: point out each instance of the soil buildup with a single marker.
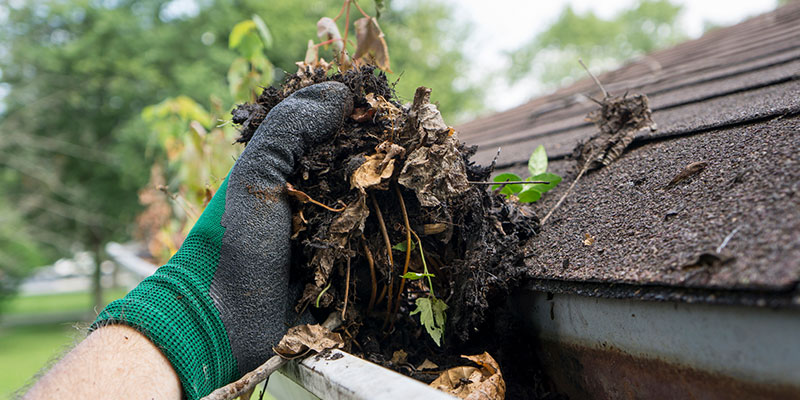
(396, 174)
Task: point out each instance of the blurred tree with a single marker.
(551, 56)
(76, 74)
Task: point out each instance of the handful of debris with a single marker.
(388, 229)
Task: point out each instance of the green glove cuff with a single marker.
(173, 308)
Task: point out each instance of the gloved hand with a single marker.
(220, 303)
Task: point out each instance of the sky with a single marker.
(499, 26)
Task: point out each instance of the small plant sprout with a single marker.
(431, 309)
(529, 192)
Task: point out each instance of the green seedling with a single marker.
(431, 309)
(529, 192)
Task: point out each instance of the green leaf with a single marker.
(546, 177)
(266, 36)
(413, 276)
(402, 246)
(508, 189)
(251, 46)
(432, 316)
(238, 32)
(537, 164)
(529, 196)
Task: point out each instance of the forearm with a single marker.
(114, 362)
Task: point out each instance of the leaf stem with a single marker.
(359, 9)
(424, 264)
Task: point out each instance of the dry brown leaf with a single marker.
(588, 239)
(301, 339)
(371, 43)
(362, 114)
(387, 110)
(427, 364)
(372, 172)
(435, 173)
(327, 30)
(485, 383)
(399, 357)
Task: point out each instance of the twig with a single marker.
(262, 372)
(561, 200)
(509, 183)
(727, 239)
(359, 9)
(408, 249)
(388, 244)
(371, 263)
(346, 282)
(597, 81)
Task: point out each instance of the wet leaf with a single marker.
(508, 189)
(301, 339)
(427, 364)
(467, 382)
(399, 357)
(352, 218)
(371, 43)
(537, 163)
(432, 316)
(413, 276)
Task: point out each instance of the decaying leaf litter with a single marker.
(389, 197)
(389, 230)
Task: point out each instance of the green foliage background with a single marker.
(552, 55)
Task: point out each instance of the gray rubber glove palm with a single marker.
(219, 305)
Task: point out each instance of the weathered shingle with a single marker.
(730, 99)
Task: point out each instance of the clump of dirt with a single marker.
(396, 173)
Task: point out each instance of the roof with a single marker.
(730, 99)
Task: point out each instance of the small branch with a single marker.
(408, 249)
(561, 200)
(597, 81)
(360, 10)
(509, 183)
(346, 283)
(341, 10)
(388, 244)
(374, 281)
(262, 372)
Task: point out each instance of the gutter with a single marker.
(602, 348)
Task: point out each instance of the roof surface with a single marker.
(730, 99)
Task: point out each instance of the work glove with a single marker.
(222, 301)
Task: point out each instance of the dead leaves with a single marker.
(371, 43)
(467, 382)
(371, 174)
(302, 339)
(619, 119)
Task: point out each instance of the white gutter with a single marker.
(339, 375)
(752, 344)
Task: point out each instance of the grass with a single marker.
(52, 303)
(24, 350)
